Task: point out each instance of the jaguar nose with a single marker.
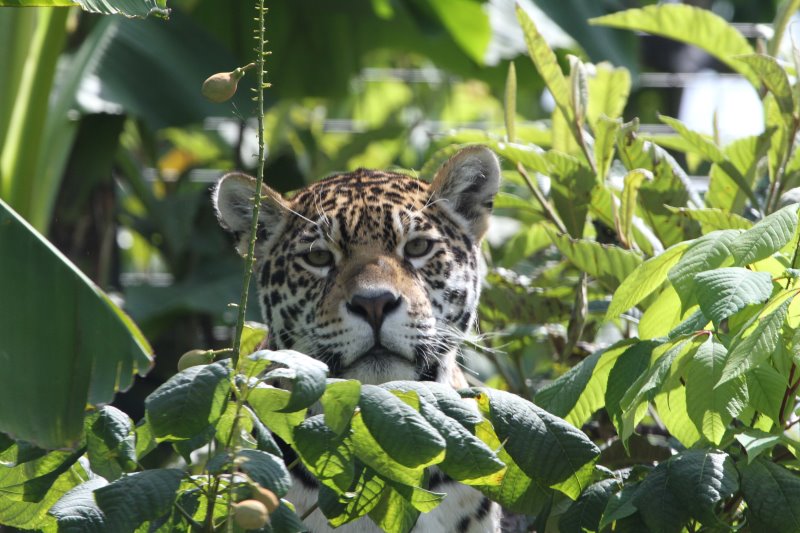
(373, 307)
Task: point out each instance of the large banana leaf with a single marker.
(129, 8)
(63, 343)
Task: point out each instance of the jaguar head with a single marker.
(377, 274)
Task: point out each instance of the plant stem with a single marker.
(248, 264)
(548, 211)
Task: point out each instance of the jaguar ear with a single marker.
(233, 202)
(468, 181)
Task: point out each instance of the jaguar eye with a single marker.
(319, 258)
(417, 247)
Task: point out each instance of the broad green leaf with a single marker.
(268, 403)
(748, 352)
(363, 496)
(688, 24)
(744, 154)
(609, 264)
(711, 409)
(713, 219)
(84, 357)
(605, 131)
(580, 392)
(111, 442)
(228, 421)
(584, 513)
(265, 469)
(670, 404)
(532, 157)
(264, 438)
(77, 511)
(633, 180)
(468, 459)
(726, 291)
(774, 77)
(766, 387)
(772, 492)
(620, 505)
(304, 376)
(701, 480)
(755, 442)
(766, 237)
(629, 367)
(339, 401)
(547, 65)
(145, 442)
(570, 188)
(394, 512)
(518, 492)
(129, 8)
(544, 446)
(135, 498)
(370, 453)
(644, 279)
(706, 253)
(662, 315)
(658, 502)
(609, 88)
(188, 402)
(253, 334)
(324, 452)
(402, 432)
(527, 242)
(468, 25)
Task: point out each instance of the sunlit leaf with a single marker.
(713, 219)
(774, 77)
(688, 24)
(129, 8)
(609, 264)
(766, 237)
(726, 291)
(633, 180)
(303, 376)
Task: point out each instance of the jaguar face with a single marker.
(376, 274)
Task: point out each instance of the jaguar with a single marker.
(377, 274)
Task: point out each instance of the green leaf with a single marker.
(370, 453)
(633, 180)
(304, 376)
(584, 513)
(510, 103)
(712, 219)
(644, 279)
(570, 188)
(111, 442)
(363, 496)
(268, 403)
(688, 24)
(748, 352)
(609, 88)
(629, 367)
(544, 446)
(89, 353)
(339, 401)
(394, 513)
(136, 498)
(766, 387)
(609, 264)
(706, 253)
(580, 392)
(772, 492)
(755, 442)
(188, 402)
(77, 511)
(745, 154)
(400, 431)
(266, 469)
(726, 291)
(670, 404)
(253, 334)
(546, 63)
(324, 452)
(692, 482)
(129, 8)
(468, 25)
(620, 505)
(766, 237)
(605, 131)
(774, 77)
(711, 409)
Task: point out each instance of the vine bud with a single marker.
(267, 497)
(250, 514)
(195, 358)
(222, 86)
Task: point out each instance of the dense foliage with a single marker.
(644, 336)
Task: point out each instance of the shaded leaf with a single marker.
(772, 492)
(726, 291)
(136, 498)
(774, 77)
(111, 442)
(265, 469)
(129, 8)
(77, 511)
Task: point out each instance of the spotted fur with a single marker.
(378, 275)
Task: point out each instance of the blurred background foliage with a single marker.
(118, 150)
